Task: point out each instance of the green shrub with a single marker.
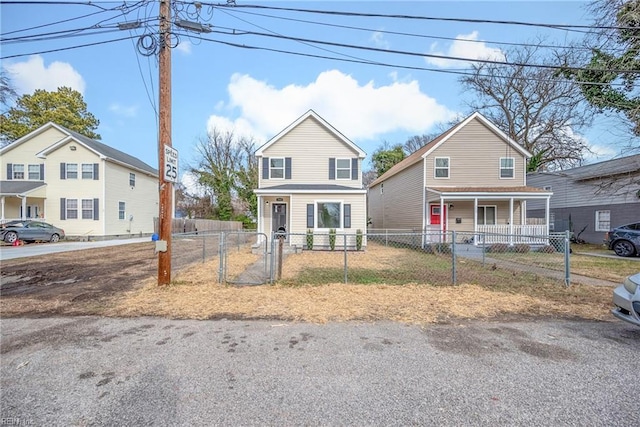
(358, 240)
(332, 238)
(310, 239)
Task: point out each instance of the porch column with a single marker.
(259, 219)
(475, 221)
(511, 221)
(546, 214)
(24, 207)
(523, 212)
(442, 219)
(2, 206)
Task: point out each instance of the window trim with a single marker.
(598, 220)
(66, 171)
(436, 168)
(82, 172)
(39, 178)
(123, 211)
(348, 169)
(271, 168)
(484, 218)
(512, 168)
(83, 209)
(67, 209)
(340, 215)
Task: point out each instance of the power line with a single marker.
(66, 48)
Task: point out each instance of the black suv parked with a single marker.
(625, 240)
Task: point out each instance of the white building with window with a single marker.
(76, 183)
(310, 179)
(590, 200)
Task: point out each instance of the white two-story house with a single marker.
(76, 183)
(310, 178)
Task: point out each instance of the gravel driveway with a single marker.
(152, 371)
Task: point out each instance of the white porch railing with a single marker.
(530, 234)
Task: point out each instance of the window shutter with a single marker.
(265, 168)
(63, 171)
(347, 216)
(354, 168)
(287, 168)
(41, 171)
(310, 208)
(63, 209)
(9, 171)
(332, 168)
(96, 206)
(96, 167)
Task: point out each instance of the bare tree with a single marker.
(416, 142)
(228, 170)
(535, 106)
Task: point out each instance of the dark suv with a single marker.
(625, 240)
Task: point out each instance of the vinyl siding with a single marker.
(73, 189)
(400, 205)
(474, 152)
(310, 145)
(25, 153)
(141, 201)
(568, 193)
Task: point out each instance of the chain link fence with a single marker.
(449, 258)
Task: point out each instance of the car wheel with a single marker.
(10, 237)
(55, 238)
(624, 248)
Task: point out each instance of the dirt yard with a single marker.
(120, 281)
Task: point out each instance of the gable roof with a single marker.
(103, 150)
(423, 152)
(323, 122)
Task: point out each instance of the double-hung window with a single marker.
(87, 171)
(87, 208)
(18, 171)
(276, 168)
(121, 210)
(34, 172)
(343, 168)
(72, 171)
(507, 167)
(441, 167)
(603, 220)
(72, 209)
(486, 215)
(132, 180)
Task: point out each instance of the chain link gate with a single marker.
(238, 247)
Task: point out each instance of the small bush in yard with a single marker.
(498, 248)
(310, 239)
(332, 238)
(521, 248)
(546, 249)
(359, 240)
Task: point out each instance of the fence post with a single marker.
(567, 258)
(453, 256)
(204, 244)
(272, 258)
(280, 250)
(483, 249)
(221, 256)
(345, 257)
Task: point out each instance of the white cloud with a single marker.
(360, 111)
(33, 74)
(379, 41)
(123, 110)
(465, 46)
(184, 47)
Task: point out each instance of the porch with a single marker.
(20, 200)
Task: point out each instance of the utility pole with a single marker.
(165, 215)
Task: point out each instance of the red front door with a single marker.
(436, 215)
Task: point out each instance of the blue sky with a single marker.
(257, 93)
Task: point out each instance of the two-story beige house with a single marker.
(310, 178)
(472, 178)
(76, 183)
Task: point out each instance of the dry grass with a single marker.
(196, 294)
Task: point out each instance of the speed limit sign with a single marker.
(170, 164)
